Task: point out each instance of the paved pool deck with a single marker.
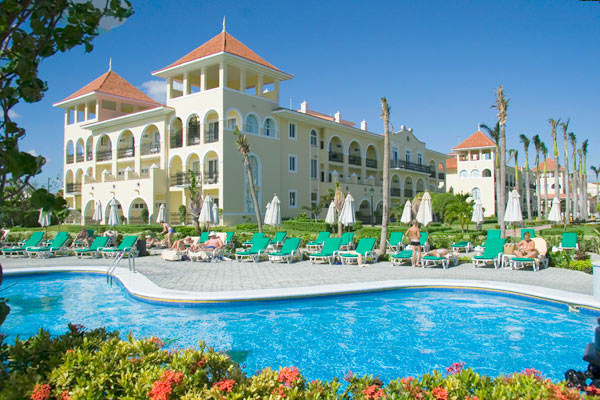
(232, 276)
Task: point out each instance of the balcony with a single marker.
(432, 174)
(371, 163)
(73, 187)
(395, 192)
(176, 141)
(193, 140)
(337, 157)
(211, 177)
(408, 193)
(105, 155)
(126, 152)
(211, 136)
(89, 156)
(401, 164)
(181, 179)
(354, 160)
(149, 148)
(70, 158)
(79, 157)
(441, 176)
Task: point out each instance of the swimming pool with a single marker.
(393, 333)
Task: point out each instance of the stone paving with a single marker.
(232, 275)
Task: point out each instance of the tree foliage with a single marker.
(459, 209)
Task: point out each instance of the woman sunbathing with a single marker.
(438, 253)
(526, 247)
(182, 244)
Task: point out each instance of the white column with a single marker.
(186, 84)
(169, 87)
(259, 85)
(67, 116)
(222, 75)
(202, 79)
(276, 90)
(85, 112)
(242, 82)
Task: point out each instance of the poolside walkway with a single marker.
(233, 276)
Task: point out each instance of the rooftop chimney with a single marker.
(303, 106)
(478, 127)
(402, 127)
(337, 117)
(363, 125)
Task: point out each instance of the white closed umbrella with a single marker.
(273, 215)
(44, 219)
(347, 216)
(425, 213)
(477, 212)
(98, 212)
(267, 211)
(555, 215)
(331, 214)
(206, 214)
(162, 214)
(513, 212)
(215, 212)
(113, 215)
(406, 213)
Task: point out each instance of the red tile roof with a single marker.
(476, 140)
(327, 117)
(550, 165)
(451, 164)
(223, 42)
(111, 83)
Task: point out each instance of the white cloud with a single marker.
(155, 89)
(32, 152)
(12, 114)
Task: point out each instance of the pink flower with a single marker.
(161, 390)
(349, 375)
(407, 380)
(65, 395)
(593, 390)
(225, 385)
(278, 391)
(440, 393)
(532, 372)
(159, 343)
(373, 392)
(455, 368)
(287, 375)
(40, 392)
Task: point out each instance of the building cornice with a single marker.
(163, 110)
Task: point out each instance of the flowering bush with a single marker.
(97, 364)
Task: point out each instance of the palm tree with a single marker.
(244, 148)
(385, 115)
(584, 151)
(526, 142)
(195, 201)
(553, 124)
(537, 143)
(581, 197)
(566, 183)
(459, 209)
(545, 152)
(501, 105)
(512, 153)
(573, 140)
(495, 135)
(596, 172)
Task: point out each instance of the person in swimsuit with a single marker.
(414, 234)
(213, 242)
(526, 247)
(438, 253)
(169, 232)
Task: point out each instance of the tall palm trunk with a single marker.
(566, 182)
(573, 140)
(385, 114)
(495, 134)
(584, 151)
(553, 124)
(526, 142)
(545, 152)
(581, 193)
(253, 193)
(537, 143)
(501, 106)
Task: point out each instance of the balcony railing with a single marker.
(89, 156)
(79, 157)
(211, 136)
(371, 163)
(432, 173)
(408, 193)
(105, 155)
(402, 164)
(176, 141)
(441, 176)
(73, 187)
(181, 179)
(149, 148)
(193, 140)
(211, 177)
(126, 152)
(70, 158)
(396, 192)
(337, 157)
(354, 160)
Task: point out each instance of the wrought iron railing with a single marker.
(73, 187)
(396, 192)
(126, 152)
(211, 136)
(176, 141)
(193, 139)
(149, 148)
(89, 156)
(181, 178)
(337, 157)
(79, 157)
(371, 163)
(104, 155)
(408, 193)
(402, 164)
(211, 177)
(354, 160)
(70, 158)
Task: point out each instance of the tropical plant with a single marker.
(553, 124)
(145, 214)
(512, 153)
(56, 205)
(526, 142)
(314, 209)
(385, 115)
(566, 183)
(584, 203)
(495, 134)
(537, 143)
(501, 106)
(596, 172)
(338, 201)
(580, 173)
(573, 140)
(183, 214)
(439, 201)
(244, 148)
(396, 211)
(545, 153)
(459, 210)
(195, 200)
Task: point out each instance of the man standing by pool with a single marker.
(414, 234)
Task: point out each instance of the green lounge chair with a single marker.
(250, 243)
(288, 252)
(94, 249)
(58, 245)
(127, 247)
(328, 252)
(364, 248)
(520, 262)
(431, 261)
(347, 241)
(568, 242)
(33, 241)
(491, 234)
(279, 239)
(424, 241)
(394, 244)
(258, 249)
(525, 230)
(81, 243)
(463, 245)
(318, 243)
(491, 254)
(402, 256)
(203, 237)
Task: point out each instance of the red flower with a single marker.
(161, 390)
(373, 392)
(532, 372)
(225, 385)
(40, 392)
(287, 376)
(173, 377)
(69, 351)
(407, 380)
(349, 375)
(202, 362)
(593, 390)
(455, 368)
(159, 343)
(440, 393)
(471, 398)
(278, 391)
(65, 395)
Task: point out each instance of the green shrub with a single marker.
(581, 265)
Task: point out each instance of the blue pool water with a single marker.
(393, 333)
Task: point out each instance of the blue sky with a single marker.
(437, 62)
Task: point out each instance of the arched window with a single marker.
(463, 174)
(487, 173)
(251, 124)
(313, 138)
(475, 173)
(269, 127)
(193, 131)
(476, 193)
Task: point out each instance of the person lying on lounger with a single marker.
(182, 244)
(438, 253)
(526, 247)
(214, 242)
(152, 242)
